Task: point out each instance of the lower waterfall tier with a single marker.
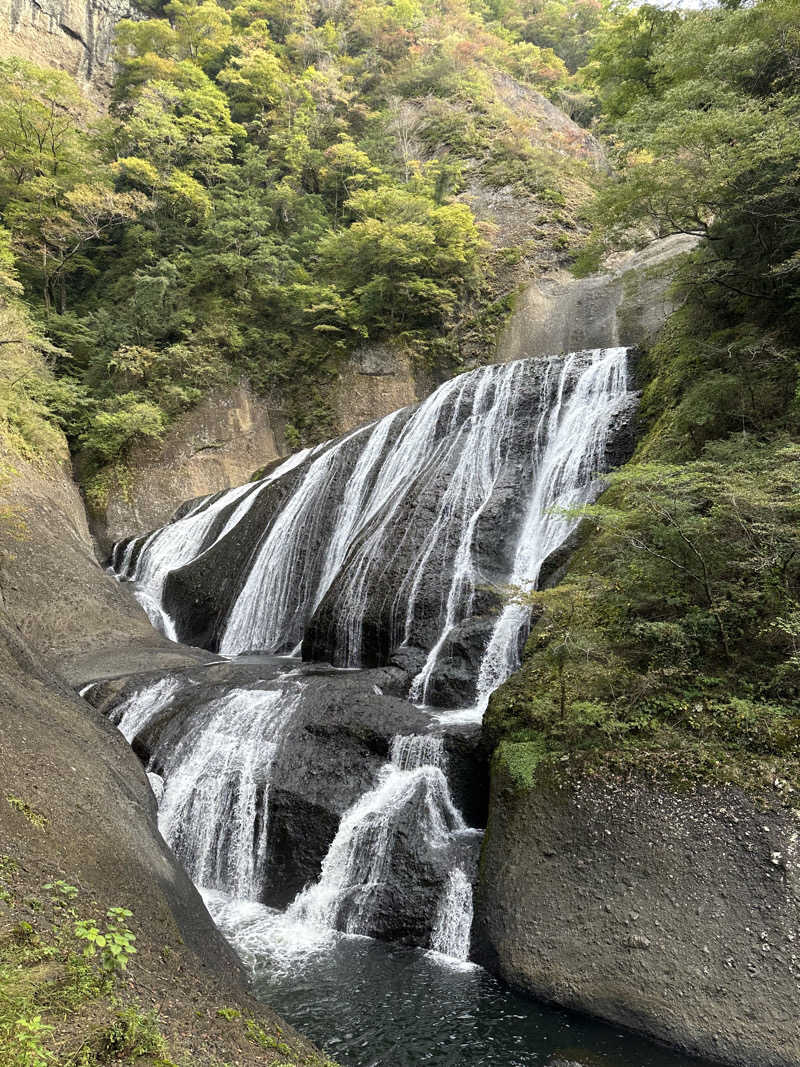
(287, 783)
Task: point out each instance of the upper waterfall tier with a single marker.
(389, 545)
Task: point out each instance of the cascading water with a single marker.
(467, 495)
(453, 924)
(398, 528)
(141, 707)
(169, 548)
(273, 604)
(214, 807)
(411, 788)
(566, 478)
(182, 540)
(212, 784)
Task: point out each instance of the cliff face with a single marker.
(76, 804)
(232, 432)
(626, 304)
(217, 444)
(673, 914)
(53, 593)
(74, 35)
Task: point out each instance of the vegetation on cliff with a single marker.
(70, 998)
(674, 643)
(274, 186)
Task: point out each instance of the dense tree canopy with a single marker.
(274, 184)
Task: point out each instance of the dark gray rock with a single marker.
(663, 912)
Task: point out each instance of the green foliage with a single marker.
(114, 939)
(672, 645)
(29, 1036)
(131, 418)
(708, 143)
(275, 184)
(61, 890)
(521, 761)
(261, 1037)
(132, 1034)
(676, 627)
(60, 1007)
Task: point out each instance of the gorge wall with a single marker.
(83, 811)
(216, 444)
(53, 592)
(626, 303)
(73, 35)
(232, 432)
(676, 914)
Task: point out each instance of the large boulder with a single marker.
(673, 913)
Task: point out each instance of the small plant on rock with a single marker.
(115, 942)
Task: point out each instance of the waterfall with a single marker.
(419, 446)
(141, 707)
(349, 517)
(402, 522)
(468, 492)
(405, 529)
(168, 548)
(273, 605)
(214, 807)
(453, 924)
(576, 433)
(358, 863)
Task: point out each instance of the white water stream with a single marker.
(358, 864)
(574, 436)
(170, 547)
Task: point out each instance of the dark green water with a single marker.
(368, 1003)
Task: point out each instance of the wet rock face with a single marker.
(625, 304)
(330, 752)
(673, 914)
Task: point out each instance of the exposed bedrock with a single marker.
(626, 303)
(216, 444)
(675, 914)
(73, 35)
(329, 753)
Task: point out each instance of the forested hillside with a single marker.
(275, 184)
(674, 643)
